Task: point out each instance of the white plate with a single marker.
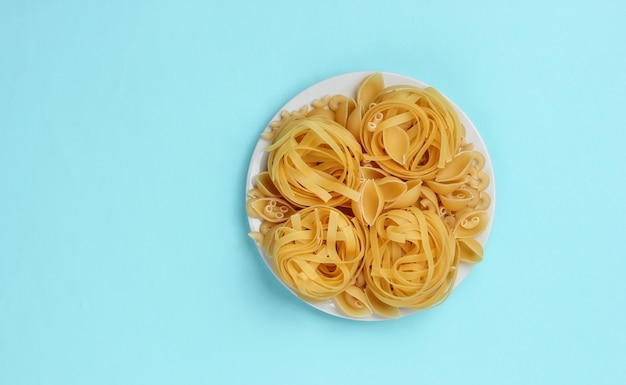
(347, 84)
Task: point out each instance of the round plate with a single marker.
(347, 84)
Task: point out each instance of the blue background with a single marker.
(126, 128)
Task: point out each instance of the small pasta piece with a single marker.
(370, 203)
(457, 168)
(353, 123)
(354, 302)
(470, 223)
(469, 250)
(484, 202)
(369, 88)
(270, 209)
(321, 112)
(343, 110)
(458, 199)
(321, 102)
(266, 186)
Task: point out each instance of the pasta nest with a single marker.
(410, 132)
(314, 161)
(411, 260)
(317, 252)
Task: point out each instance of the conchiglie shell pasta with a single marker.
(391, 187)
(266, 186)
(469, 250)
(369, 88)
(353, 123)
(457, 168)
(371, 202)
(408, 198)
(470, 224)
(343, 111)
(354, 302)
(369, 172)
(457, 200)
(397, 144)
(270, 209)
(442, 188)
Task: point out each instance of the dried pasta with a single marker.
(313, 160)
(411, 261)
(371, 200)
(317, 252)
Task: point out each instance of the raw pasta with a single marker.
(317, 252)
(313, 160)
(411, 261)
(371, 200)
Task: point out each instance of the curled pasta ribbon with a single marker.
(270, 209)
(317, 252)
(314, 161)
(411, 262)
(379, 307)
(443, 113)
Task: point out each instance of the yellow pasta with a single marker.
(371, 200)
(317, 252)
(269, 209)
(411, 132)
(412, 260)
(313, 161)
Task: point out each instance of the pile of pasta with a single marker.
(371, 200)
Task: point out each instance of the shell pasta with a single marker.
(371, 200)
